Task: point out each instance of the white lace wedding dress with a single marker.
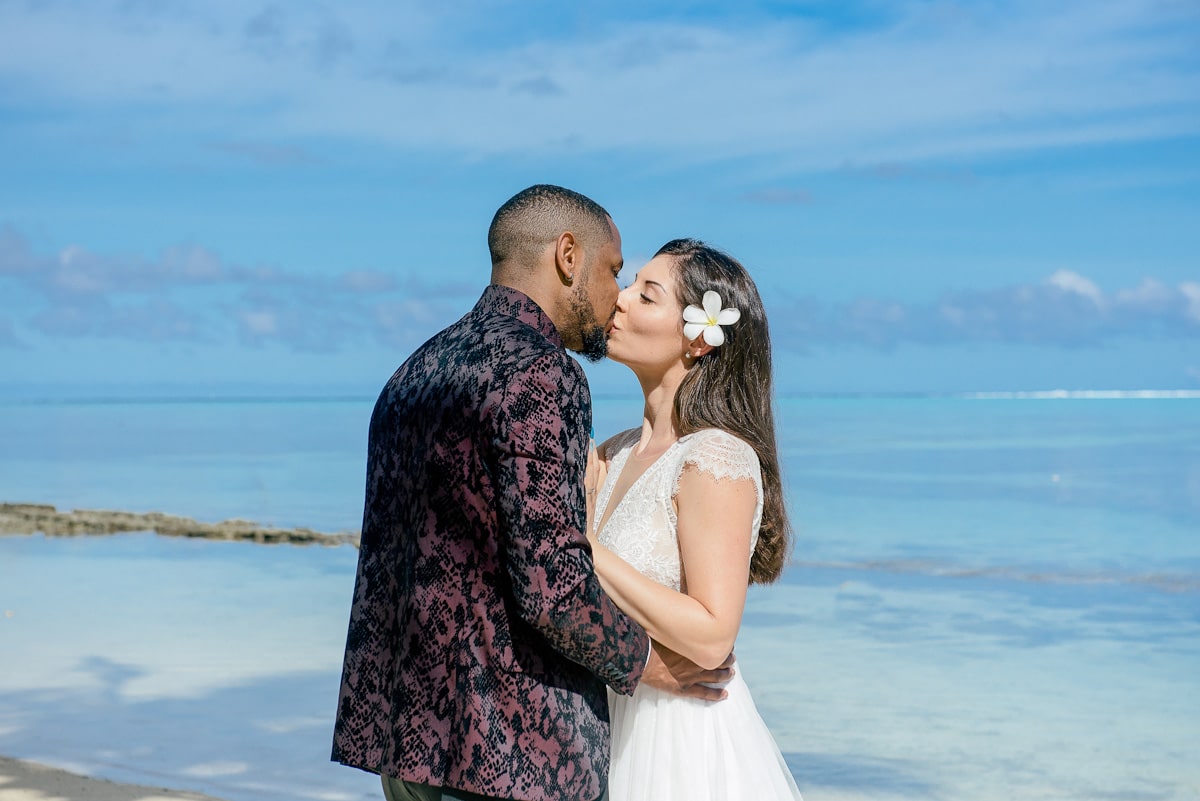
(667, 748)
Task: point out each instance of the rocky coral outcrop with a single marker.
(31, 518)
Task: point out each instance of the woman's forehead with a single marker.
(658, 270)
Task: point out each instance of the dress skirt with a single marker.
(668, 748)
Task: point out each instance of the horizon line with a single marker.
(352, 397)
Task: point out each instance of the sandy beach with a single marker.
(29, 781)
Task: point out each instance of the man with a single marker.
(480, 641)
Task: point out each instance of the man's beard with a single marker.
(592, 336)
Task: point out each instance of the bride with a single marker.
(686, 511)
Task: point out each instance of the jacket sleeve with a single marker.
(541, 442)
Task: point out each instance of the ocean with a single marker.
(990, 597)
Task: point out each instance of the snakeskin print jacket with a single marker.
(480, 641)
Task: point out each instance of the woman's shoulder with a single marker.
(717, 438)
(720, 453)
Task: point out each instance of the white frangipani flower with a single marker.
(708, 321)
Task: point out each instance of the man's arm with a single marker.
(542, 442)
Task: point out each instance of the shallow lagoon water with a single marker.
(989, 598)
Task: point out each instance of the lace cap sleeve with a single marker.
(722, 456)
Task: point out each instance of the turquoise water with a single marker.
(989, 598)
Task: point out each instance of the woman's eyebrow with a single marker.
(655, 283)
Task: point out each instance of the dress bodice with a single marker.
(642, 527)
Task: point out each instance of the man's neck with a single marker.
(545, 297)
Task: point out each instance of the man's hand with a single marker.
(678, 675)
(593, 480)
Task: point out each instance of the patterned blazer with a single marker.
(480, 641)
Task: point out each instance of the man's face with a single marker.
(595, 296)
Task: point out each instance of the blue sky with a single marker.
(933, 196)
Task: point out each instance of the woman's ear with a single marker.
(697, 348)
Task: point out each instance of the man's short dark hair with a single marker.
(534, 217)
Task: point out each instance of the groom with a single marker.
(480, 641)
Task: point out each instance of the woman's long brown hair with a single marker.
(730, 388)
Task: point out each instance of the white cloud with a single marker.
(1149, 293)
(190, 293)
(368, 281)
(1068, 310)
(259, 323)
(1074, 282)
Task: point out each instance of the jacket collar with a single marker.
(498, 299)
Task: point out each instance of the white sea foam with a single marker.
(1099, 394)
(1165, 582)
(207, 770)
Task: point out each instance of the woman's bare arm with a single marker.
(715, 520)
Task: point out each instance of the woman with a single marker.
(688, 510)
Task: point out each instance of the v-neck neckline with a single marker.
(608, 515)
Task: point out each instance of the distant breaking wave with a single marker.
(1165, 582)
(234, 399)
(1041, 394)
(1055, 394)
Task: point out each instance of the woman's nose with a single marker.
(622, 302)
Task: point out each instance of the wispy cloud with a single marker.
(896, 171)
(1065, 310)
(189, 293)
(8, 335)
(779, 196)
(925, 81)
(97, 318)
(272, 154)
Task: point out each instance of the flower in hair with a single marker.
(708, 320)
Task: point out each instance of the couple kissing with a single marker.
(537, 619)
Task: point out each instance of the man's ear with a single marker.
(568, 257)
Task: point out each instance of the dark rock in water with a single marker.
(34, 518)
